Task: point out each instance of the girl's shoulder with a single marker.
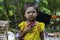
(40, 23)
(22, 23)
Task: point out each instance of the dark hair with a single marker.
(30, 4)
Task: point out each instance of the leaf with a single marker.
(1, 0)
(1, 8)
(43, 9)
(11, 13)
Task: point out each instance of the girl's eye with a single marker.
(28, 12)
(33, 11)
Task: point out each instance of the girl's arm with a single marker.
(22, 34)
(42, 35)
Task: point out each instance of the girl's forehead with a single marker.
(30, 9)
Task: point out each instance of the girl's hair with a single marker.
(30, 4)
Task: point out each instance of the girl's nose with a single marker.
(31, 13)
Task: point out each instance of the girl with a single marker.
(31, 29)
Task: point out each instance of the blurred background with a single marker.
(12, 10)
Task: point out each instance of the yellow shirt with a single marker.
(34, 34)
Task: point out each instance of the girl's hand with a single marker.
(29, 27)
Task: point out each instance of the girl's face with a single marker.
(30, 13)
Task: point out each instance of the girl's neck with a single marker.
(31, 21)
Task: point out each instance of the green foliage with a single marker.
(11, 13)
(45, 10)
(1, 0)
(29, 0)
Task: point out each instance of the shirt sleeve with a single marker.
(21, 26)
(42, 25)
